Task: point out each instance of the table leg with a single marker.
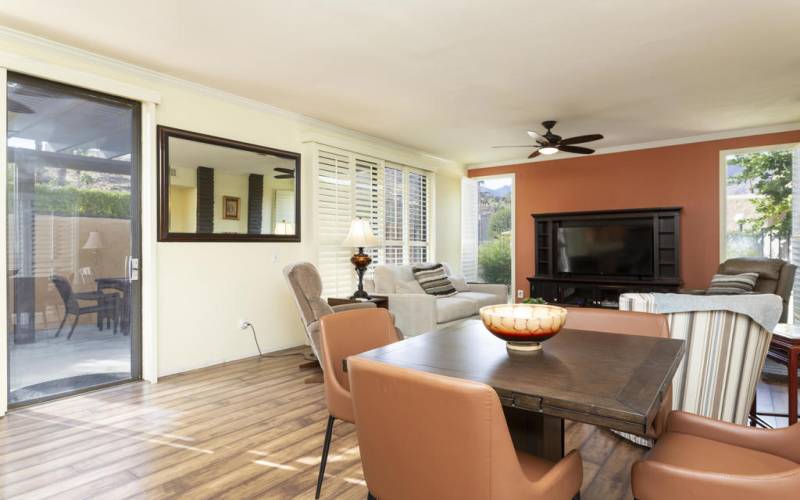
(536, 433)
(792, 365)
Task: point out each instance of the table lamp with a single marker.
(94, 243)
(360, 236)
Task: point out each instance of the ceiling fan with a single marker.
(550, 143)
(284, 173)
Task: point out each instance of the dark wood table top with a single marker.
(615, 381)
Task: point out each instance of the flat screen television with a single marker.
(613, 247)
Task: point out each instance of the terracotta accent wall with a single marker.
(684, 175)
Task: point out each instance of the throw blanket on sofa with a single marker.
(763, 308)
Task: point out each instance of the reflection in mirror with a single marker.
(221, 189)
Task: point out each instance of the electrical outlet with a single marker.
(274, 257)
(244, 324)
(520, 294)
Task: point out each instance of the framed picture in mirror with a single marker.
(216, 189)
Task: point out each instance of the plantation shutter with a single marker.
(393, 217)
(368, 187)
(334, 211)
(393, 198)
(469, 229)
(417, 217)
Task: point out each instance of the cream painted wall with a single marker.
(204, 289)
(182, 209)
(447, 226)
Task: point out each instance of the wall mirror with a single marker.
(215, 189)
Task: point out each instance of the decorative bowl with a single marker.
(523, 326)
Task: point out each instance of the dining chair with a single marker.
(423, 435)
(627, 323)
(701, 458)
(345, 334)
(106, 305)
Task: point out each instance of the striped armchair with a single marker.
(725, 353)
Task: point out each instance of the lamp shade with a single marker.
(93, 242)
(360, 235)
(284, 227)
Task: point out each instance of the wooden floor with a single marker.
(243, 430)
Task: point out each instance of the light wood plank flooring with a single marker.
(246, 429)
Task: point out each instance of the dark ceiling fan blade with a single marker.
(581, 138)
(284, 176)
(285, 170)
(525, 146)
(534, 154)
(17, 107)
(575, 149)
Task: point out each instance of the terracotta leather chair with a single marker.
(701, 458)
(345, 334)
(429, 436)
(626, 323)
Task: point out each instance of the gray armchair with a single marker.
(775, 276)
(306, 286)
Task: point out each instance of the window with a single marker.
(394, 198)
(487, 208)
(759, 218)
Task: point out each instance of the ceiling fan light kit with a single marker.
(550, 143)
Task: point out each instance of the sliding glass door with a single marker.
(73, 239)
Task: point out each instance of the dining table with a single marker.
(608, 380)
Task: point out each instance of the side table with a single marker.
(378, 300)
(784, 349)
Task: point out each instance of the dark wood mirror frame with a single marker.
(164, 134)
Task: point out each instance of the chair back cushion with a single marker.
(621, 322)
(345, 334)
(306, 286)
(433, 280)
(731, 284)
(427, 436)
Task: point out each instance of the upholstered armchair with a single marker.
(774, 276)
(725, 353)
(306, 286)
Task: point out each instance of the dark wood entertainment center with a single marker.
(594, 290)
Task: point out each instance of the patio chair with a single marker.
(106, 306)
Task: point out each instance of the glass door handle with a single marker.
(133, 269)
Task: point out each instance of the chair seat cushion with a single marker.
(705, 455)
(453, 308)
(480, 298)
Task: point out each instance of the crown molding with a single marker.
(19, 37)
(714, 136)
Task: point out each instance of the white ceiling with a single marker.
(454, 78)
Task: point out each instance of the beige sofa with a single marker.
(417, 312)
